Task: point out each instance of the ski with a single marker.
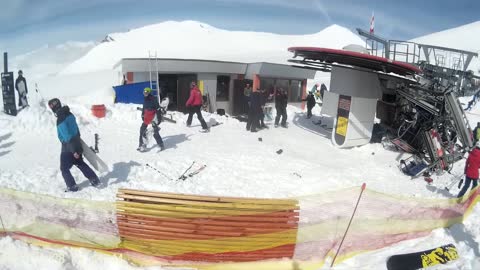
(193, 173)
(182, 176)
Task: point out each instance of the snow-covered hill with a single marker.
(464, 37)
(196, 40)
(47, 61)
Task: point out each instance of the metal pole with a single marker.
(349, 223)
(5, 62)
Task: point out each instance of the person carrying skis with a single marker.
(151, 114)
(194, 104)
(281, 107)
(471, 170)
(71, 154)
(21, 86)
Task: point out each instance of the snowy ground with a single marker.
(238, 164)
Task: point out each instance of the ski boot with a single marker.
(94, 181)
(73, 188)
(162, 147)
(276, 125)
(142, 148)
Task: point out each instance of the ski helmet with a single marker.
(54, 104)
(147, 90)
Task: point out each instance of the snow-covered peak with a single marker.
(464, 37)
(197, 40)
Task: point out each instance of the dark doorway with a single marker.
(240, 105)
(183, 90)
(167, 84)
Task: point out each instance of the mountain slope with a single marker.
(464, 37)
(195, 40)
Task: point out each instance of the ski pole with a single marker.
(454, 182)
(349, 223)
(3, 226)
(182, 176)
(166, 176)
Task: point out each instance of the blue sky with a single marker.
(29, 24)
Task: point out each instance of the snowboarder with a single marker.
(310, 104)
(281, 107)
(476, 133)
(21, 86)
(151, 114)
(194, 104)
(71, 154)
(471, 169)
(255, 111)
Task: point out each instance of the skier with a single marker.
(194, 103)
(471, 170)
(255, 111)
(476, 133)
(151, 114)
(281, 107)
(310, 104)
(21, 86)
(72, 150)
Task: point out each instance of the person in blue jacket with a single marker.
(69, 136)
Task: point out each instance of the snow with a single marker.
(462, 38)
(238, 163)
(196, 40)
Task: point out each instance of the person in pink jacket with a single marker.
(194, 105)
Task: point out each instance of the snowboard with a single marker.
(93, 158)
(22, 92)
(423, 259)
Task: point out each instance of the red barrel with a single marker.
(99, 110)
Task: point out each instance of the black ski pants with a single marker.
(67, 160)
(196, 110)
(156, 134)
(281, 112)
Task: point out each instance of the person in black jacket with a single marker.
(21, 86)
(69, 136)
(254, 111)
(281, 107)
(310, 104)
(151, 114)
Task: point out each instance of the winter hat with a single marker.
(147, 90)
(54, 104)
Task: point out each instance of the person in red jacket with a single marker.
(194, 105)
(471, 170)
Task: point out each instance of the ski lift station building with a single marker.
(223, 82)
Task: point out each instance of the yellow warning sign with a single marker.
(200, 86)
(342, 124)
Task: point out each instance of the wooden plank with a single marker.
(131, 210)
(206, 221)
(203, 198)
(234, 205)
(200, 226)
(207, 235)
(196, 208)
